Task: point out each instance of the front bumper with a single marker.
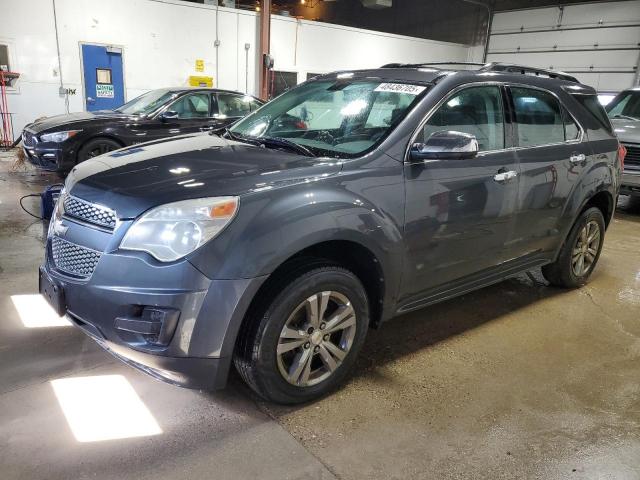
(50, 159)
(200, 349)
(630, 184)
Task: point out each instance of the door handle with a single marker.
(577, 158)
(503, 177)
(207, 128)
(91, 100)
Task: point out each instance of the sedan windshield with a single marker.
(328, 117)
(147, 103)
(625, 105)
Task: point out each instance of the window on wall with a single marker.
(474, 110)
(538, 117)
(4, 57)
(282, 81)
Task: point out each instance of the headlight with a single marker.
(58, 136)
(171, 231)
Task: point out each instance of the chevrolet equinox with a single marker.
(357, 196)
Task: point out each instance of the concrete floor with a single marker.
(519, 380)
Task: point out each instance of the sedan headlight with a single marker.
(58, 136)
(171, 231)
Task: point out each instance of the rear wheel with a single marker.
(95, 147)
(305, 342)
(580, 253)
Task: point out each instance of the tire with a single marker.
(95, 147)
(565, 271)
(266, 357)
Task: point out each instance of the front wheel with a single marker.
(306, 341)
(580, 253)
(95, 147)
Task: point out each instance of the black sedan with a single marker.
(60, 142)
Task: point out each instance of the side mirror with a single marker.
(168, 115)
(445, 145)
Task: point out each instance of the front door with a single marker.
(189, 113)
(459, 213)
(103, 77)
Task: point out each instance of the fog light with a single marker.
(156, 324)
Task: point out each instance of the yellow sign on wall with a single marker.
(200, 81)
(199, 65)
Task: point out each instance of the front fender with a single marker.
(273, 227)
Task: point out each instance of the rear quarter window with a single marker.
(595, 110)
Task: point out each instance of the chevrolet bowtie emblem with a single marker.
(59, 228)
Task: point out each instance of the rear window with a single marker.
(593, 106)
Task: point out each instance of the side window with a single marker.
(231, 105)
(254, 104)
(194, 105)
(474, 110)
(571, 129)
(387, 109)
(538, 117)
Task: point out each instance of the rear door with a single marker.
(553, 152)
(103, 77)
(459, 213)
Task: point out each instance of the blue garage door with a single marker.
(103, 79)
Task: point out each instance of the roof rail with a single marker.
(508, 68)
(430, 64)
(492, 67)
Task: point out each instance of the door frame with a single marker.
(82, 84)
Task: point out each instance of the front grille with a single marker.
(632, 159)
(88, 212)
(74, 259)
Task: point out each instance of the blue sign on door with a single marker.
(103, 78)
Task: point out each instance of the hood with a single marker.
(627, 130)
(134, 179)
(47, 123)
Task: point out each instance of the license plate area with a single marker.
(53, 292)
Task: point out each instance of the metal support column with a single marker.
(265, 34)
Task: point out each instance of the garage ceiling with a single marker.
(459, 21)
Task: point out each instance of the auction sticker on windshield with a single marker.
(400, 88)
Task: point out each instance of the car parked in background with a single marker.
(60, 142)
(624, 111)
(348, 200)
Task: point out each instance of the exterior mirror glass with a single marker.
(168, 115)
(446, 145)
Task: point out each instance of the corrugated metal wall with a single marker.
(597, 42)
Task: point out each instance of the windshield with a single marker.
(147, 102)
(336, 118)
(625, 105)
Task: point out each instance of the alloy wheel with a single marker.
(586, 249)
(316, 338)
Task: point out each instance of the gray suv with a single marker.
(624, 111)
(355, 197)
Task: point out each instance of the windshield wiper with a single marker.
(264, 141)
(626, 117)
(283, 142)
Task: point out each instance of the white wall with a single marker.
(596, 41)
(161, 39)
